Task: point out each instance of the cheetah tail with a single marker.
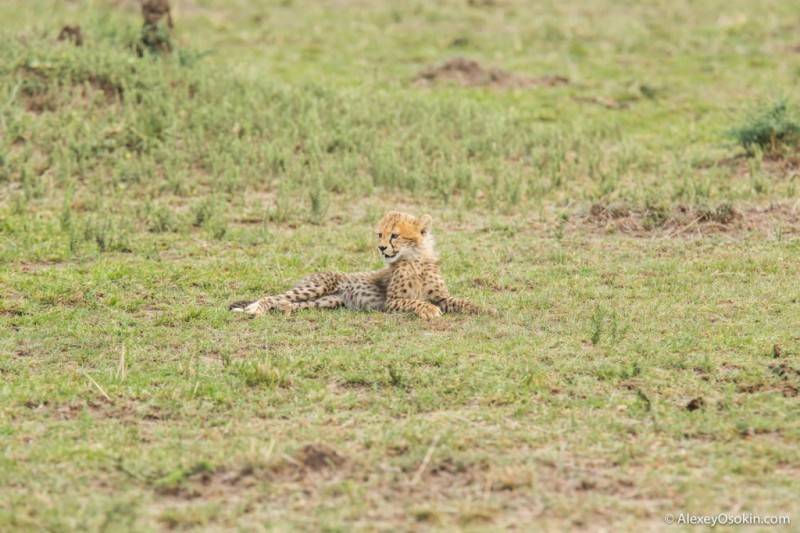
(238, 307)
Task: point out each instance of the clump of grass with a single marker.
(217, 227)
(262, 374)
(604, 323)
(206, 215)
(108, 235)
(655, 215)
(155, 40)
(202, 213)
(65, 218)
(597, 321)
(396, 377)
(4, 170)
(160, 220)
(281, 211)
(769, 128)
(171, 481)
(724, 213)
(318, 197)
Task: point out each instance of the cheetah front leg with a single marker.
(307, 291)
(460, 305)
(263, 305)
(440, 296)
(424, 310)
(331, 301)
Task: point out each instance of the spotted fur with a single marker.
(411, 281)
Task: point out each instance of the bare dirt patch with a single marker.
(493, 285)
(509, 492)
(608, 103)
(37, 266)
(40, 94)
(785, 371)
(470, 73)
(11, 311)
(131, 411)
(784, 379)
(72, 34)
(695, 404)
(317, 457)
(439, 325)
(686, 220)
(778, 165)
(113, 91)
(310, 465)
(38, 102)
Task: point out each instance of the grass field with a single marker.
(641, 247)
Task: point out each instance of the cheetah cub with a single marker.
(410, 282)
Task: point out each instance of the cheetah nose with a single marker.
(381, 248)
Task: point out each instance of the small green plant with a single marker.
(655, 215)
(262, 374)
(770, 127)
(605, 324)
(75, 239)
(281, 211)
(65, 218)
(318, 205)
(217, 227)
(161, 220)
(170, 481)
(597, 320)
(202, 212)
(206, 215)
(396, 378)
(156, 38)
(318, 197)
(4, 172)
(108, 235)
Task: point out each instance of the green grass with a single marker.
(645, 359)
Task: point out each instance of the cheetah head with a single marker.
(403, 236)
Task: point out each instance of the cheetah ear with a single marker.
(425, 220)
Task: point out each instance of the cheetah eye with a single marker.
(394, 235)
(380, 235)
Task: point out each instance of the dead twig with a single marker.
(425, 461)
(97, 385)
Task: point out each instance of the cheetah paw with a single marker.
(255, 308)
(239, 307)
(261, 307)
(429, 313)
